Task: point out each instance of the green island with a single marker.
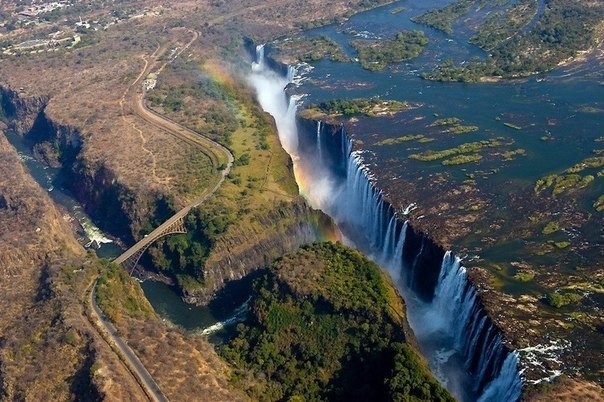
(510, 155)
(461, 159)
(376, 55)
(466, 148)
(309, 49)
(443, 18)
(599, 204)
(559, 300)
(570, 180)
(519, 40)
(345, 107)
(447, 121)
(503, 25)
(404, 138)
(453, 126)
(326, 324)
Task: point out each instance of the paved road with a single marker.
(133, 363)
(219, 156)
(214, 150)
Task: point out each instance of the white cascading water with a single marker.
(465, 350)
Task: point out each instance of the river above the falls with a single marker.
(523, 206)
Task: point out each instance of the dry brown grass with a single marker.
(86, 86)
(186, 368)
(569, 390)
(87, 89)
(41, 316)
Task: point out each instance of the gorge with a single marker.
(465, 349)
(457, 143)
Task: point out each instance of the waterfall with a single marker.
(319, 139)
(465, 349)
(260, 54)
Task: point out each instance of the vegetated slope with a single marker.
(326, 324)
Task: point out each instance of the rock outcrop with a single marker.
(116, 208)
(254, 245)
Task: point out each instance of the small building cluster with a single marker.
(35, 9)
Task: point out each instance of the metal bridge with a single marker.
(175, 224)
(130, 257)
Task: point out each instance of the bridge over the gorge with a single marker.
(220, 156)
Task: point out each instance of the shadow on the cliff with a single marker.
(234, 293)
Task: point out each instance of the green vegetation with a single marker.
(182, 256)
(467, 148)
(525, 276)
(449, 121)
(454, 126)
(516, 45)
(503, 25)
(509, 155)
(311, 49)
(219, 117)
(442, 19)
(563, 183)
(260, 182)
(118, 293)
(326, 325)
(398, 140)
(588, 163)
(571, 181)
(559, 300)
(461, 159)
(459, 129)
(368, 107)
(550, 228)
(376, 55)
(599, 204)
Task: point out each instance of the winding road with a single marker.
(220, 157)
(133, 363)
(214, 150)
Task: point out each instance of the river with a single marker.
(54, 181)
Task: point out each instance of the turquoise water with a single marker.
(217, 320)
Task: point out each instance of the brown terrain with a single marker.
(123, 167)
(78, 102)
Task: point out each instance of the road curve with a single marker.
(133, 363)
(215, 150)
(218, 154)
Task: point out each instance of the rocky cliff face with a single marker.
(115, 207)
(20, 112)
(255, 245)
